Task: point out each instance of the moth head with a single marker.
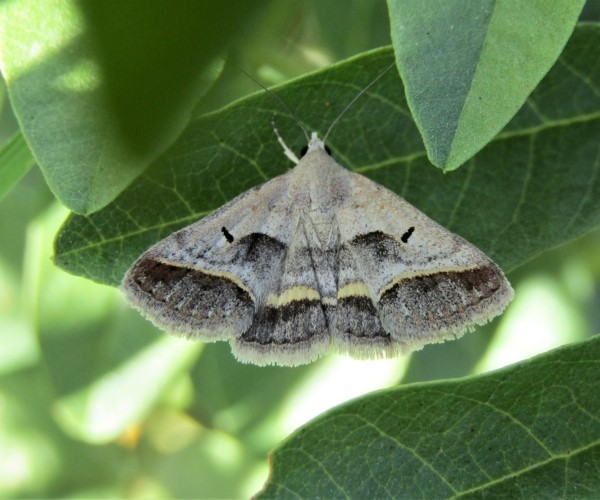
(314, 143)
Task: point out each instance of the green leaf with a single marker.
(529, 430)
(15, 162)
(98, 93)
(57, 91)
(534, 187)
(250, 395)
(469, 66)
(153, 81)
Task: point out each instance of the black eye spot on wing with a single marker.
(407, 234)
(227, 234)
(327, 150)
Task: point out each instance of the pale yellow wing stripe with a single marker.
(354, 289)
(299, 292)
(303, 292)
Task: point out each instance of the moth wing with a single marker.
(292, 326)
(359, 330)
(427, 283)
(205, 280)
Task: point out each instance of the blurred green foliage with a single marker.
(95, 402)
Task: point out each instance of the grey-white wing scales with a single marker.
(316, 258)
(292, 326)
(360, 332)
(427, 283)
(208, 279)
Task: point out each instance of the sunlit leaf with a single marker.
(104, 409)
(469, 66)
(529, 430)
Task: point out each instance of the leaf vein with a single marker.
(325, 470)
(510, 416)
(413, 452)
(559, 456)
(586, 196)
(463, 191)
(579, 75)
(522, 197)
(124, 236)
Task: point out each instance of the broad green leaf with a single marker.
(153, 81)
(57, 91)
(529, 430)
(534, 187)
(99, 93)
(15, 162)
(469, 66)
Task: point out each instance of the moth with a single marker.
(317, 259)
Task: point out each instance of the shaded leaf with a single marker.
(534, 187)
(469, 66)
(529, 430)
(57, 91)
(153, 81)
(97, 107)
(249, 393)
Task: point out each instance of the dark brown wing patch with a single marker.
(189, 301)
(444, 302)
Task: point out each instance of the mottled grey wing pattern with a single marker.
(314, 259)
(294, 322)
(434, 285)
(202, 281)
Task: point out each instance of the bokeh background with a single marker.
(95, 402)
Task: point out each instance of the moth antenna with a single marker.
(281, 101)
(355, 99)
